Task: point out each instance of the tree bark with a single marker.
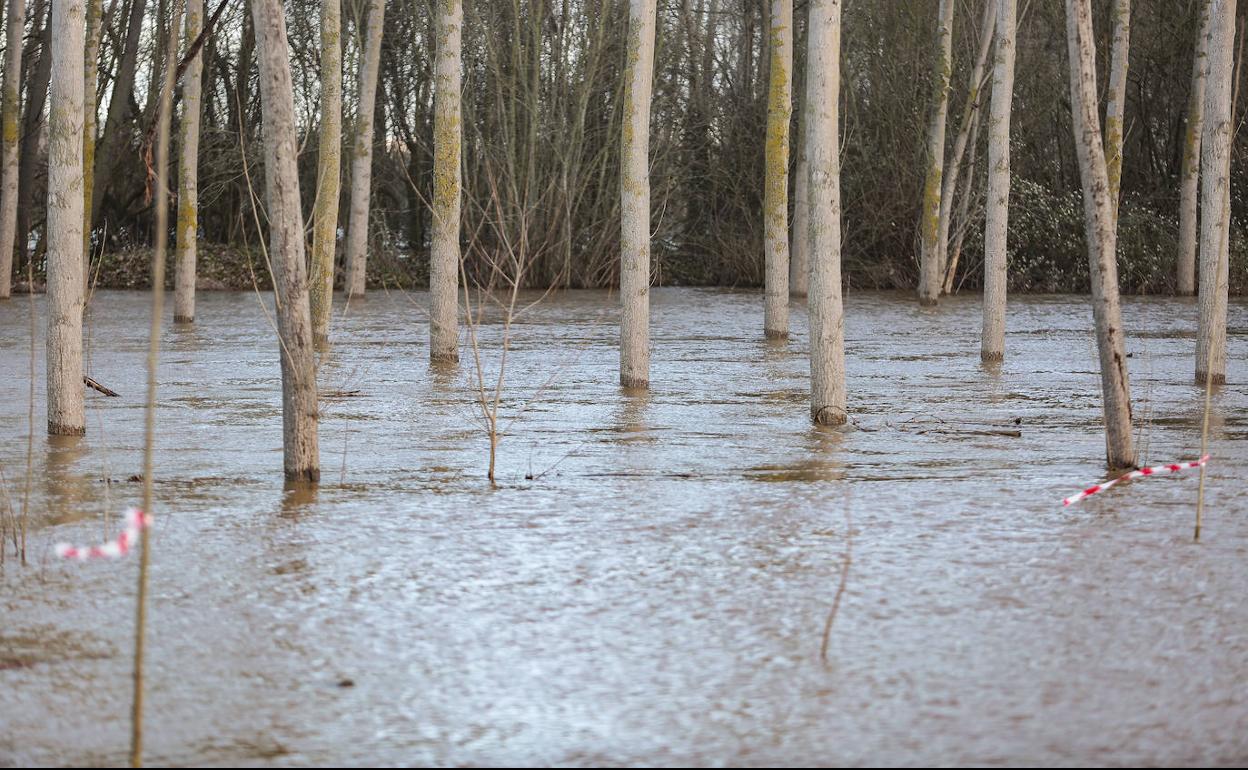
(66, 413)
(776, 184)
(799, 262)
(29, 155)
(188, 174)
(827, 322)
(362, 153)
(111, 146)
(329, 173)
(997, 213)
(1116, 103)
(286, 244)
(10, 111)
(1189, 178)
(447, 143)
(1215, 195)
(1101, 236)
(635, 198)
(929, 254)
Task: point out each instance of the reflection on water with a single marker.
(650, 581)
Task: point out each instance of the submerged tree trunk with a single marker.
(286, 246)
(1116, 104)
(635, 198)
(447, 142)
(66, 413)
(1189, 178)
(929, 254)
(1101, 236)
(362, 153)
(10, 112)
(997, 209)
(329, 173)
(187, 226)
(776, 184)
(970, 118)
(1215, 195)
(827, 322)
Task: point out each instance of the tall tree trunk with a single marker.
(997, 213)
(90, 82)
(799, 263)
(329, 173)
(1215, 195)
(66, 413)
(776, 190)
(1101, 235)
(1116, 104)
(826, 308)
(929, 254)
(447, 142)
(112, 143)
(970, 117)
(10, 111)
(286, 246)
(1189, 178)
(362, 152)
(635, 198)
(187, 226)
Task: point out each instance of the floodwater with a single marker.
(650, 580)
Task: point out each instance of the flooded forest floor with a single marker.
(650, 580)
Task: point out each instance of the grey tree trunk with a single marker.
(447, 143)
(776, 184)
(66, 413)
(10, 112)
(1189, 178)
(362, 153)
(187, 226)
(110, 151)
(1215, 195)
(827, 321)
(286, 245)
(929, 253)
(1101, 236)
(1116, 103)
(997, 207)
(329, 173)
(635, 198)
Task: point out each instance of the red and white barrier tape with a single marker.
(114, 549)
(1141, 473)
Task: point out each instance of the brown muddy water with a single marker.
(656, 592)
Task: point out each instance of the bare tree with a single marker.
(90, 83)
(776, 183)
(1116, 104)
(66, 412)
(827, 314)
(10, 112)
(1189, 177)
(929, 254)
(1215, 195)
(286, 245)
(971, 114)
(799, 262)
(362, 153)
(444, 261)
(635, 198)
(997, 214)
(329, 173)
(1101, 234)
(188, 174)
